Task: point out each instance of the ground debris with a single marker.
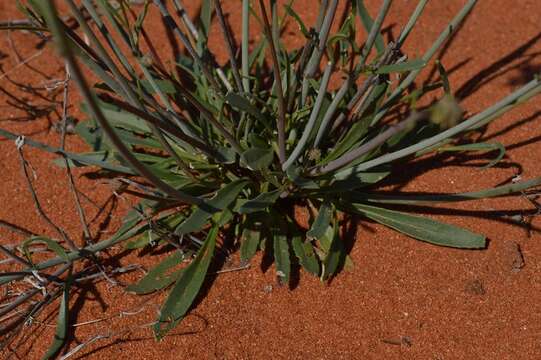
(402, 340)
(518, 258)
(475, 287)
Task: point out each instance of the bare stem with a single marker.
(279, 89)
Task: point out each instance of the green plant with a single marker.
(229, 150)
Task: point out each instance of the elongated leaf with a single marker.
(306, 255)
(62, 323)
(367, 22)
(223, 198)
(249, 243)
(120, 118)
(335, 252)
(430, 199)
(405, 66)
(322, 221)
(258, 158)
(186, 288)
(159, 276)
(97, 158)
(479, 147)
(165, 86)
(444, 77)
(423, 228)
(294, 173)
(260, 202)
(82, 159)
(281, 255)
(50, 243)
(205, 18)
(156, 232)
(298, 20)
(241, 103)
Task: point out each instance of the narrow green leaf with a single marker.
(430, 199)
(423, 228)
(322, 221)
(205, 18)
(50, 243)
(335, 252)
(159, 277)
(251, 236)
(444, 77)
(120, 118)
(479, 147)
(298, 20)
(186, 288)
(258, 158)
(97, 158)
(223, 198)
(281, 255)
(405, 66)
(306, 255)
(367, 22)
(260, 202)
(165, 86)
(62, 323)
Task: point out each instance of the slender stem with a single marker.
(169, 22)
(331, 111)
(374, 31)
(65, 51)
(181, 12)
(14, 256)
(369, 146)
(411, 23)
(449, 29)
(312, 120)
(244, 48)
(385, 59)
(279, 88)
(521, 95)
(229, 42)
(82, 218)
(315, 59)
(37, 204)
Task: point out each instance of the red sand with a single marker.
(404, 299)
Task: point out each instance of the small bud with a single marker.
(446, 112)
(314, 154)
(147, 60)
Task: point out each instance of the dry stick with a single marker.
(13, 256)
(19, 143)
(229, 42)
(31, 293)
(73, 189)
(16, 229)
(22, 63)
(29, 316)
(279, 89)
